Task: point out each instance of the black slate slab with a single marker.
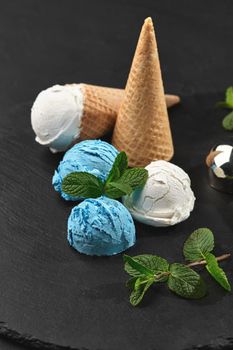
(49, 293)
(59, 296)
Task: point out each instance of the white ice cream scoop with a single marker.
(166, 199)
(56, 116)
(63, 114)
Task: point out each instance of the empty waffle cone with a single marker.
(142, 128)
(101, 105)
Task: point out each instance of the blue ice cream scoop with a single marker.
(93, 156)
(101, 226)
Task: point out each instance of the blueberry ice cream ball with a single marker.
(93, 156)
(101, 226)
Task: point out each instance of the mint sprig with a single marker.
(120, 181)
(147, 270)
(227, 122)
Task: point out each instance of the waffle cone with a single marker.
(142, 128)
(101, 105)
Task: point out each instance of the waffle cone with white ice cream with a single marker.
(64, 114)
(142, 128)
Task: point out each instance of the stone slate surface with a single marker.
(52, 297)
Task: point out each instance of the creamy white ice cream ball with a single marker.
(167, 197)
(56, 116)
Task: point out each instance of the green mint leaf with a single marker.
(198, 244)
(135, 177)
(154, 263)
(119, 166)
(222, 104)
(216, 272)
(227, 122)
(82, 184)
(186, 282)
(140, 281)
(137, 266)
(123, 187)
(116, 189)
(131, 282)
(229, 96)
(113, 192)
(138, 294)
(129, 181)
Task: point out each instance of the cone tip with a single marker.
(176, 98)
(148, 21)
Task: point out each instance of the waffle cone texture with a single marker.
(101, 106)
(142, 127)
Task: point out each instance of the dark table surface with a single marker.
(48, 291)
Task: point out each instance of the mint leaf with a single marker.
(228, 103)
(135, 177)
(82, 184)
(198, 244)
(154, 263)
(138, 294)
(229, 96)
(186, 282)
(216, 272)
(129, 181)
(227, 122)
(123, 187)
(136, 266)
(131, 282)
(117, 189)
(119, 166)
(139, 281)
(222, 104)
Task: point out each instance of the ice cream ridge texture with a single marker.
(93, 156)
(101, 226)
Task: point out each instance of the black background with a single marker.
(47, 290)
